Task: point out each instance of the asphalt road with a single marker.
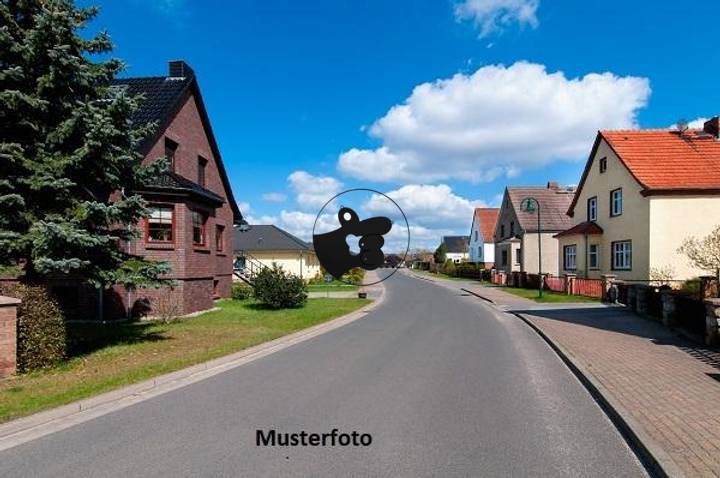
(443, 384)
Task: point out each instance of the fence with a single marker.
(588, 287)
(555, 284)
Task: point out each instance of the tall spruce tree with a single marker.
(69, 156)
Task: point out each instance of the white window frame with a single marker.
(570, 257)
(621, 255)
(592, 209)
(616, 202)
(595, 254)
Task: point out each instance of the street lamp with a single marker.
(532, 206)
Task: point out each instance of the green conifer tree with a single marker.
(69, 158)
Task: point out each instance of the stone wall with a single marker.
(8, 335)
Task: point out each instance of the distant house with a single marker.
(641, 194)
(516, 231)
(457, 248)
(482, 244)
(265, 245)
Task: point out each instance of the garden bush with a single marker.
(276, 289)
(41, 335)
(449, 268)
(241, 291)
(355, 275)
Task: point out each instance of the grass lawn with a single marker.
(334, 286)
(108, 356)
(440, 275)
(548, 296)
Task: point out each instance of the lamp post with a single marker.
(532, 205)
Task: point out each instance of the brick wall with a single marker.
(8, 335)
(194, 268)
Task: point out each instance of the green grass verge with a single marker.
(442, 276)
(335, 286)
(109, 356)
(548, 296)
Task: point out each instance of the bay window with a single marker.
(160, 224)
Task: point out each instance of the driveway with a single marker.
(445, 386)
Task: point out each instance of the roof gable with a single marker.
(554, 203)
(662, 160)
(486, 217)
(163, 99)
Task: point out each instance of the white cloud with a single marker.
(491, 16)
(697, 123)
(313, 191)
(274, 197)
(495, 122)
(244, 207)
(427, 206)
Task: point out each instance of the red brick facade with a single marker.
(8, 335)
(201, 272)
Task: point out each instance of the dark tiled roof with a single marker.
(161, 95)
(554, 203)
(171, 181)
(456, 243)
(268, 238)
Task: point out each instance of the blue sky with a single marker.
(438, 103)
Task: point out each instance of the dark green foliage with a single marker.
(440, 254)
(448, 268)
(241, 291)
(41, 339)
(68, 152)
(277, 290)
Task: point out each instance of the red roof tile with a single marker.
(487, 217)
(589, 228)
(665, 159)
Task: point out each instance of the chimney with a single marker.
(179, 69)
(712, 126)
(553, 185)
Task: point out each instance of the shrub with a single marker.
(241, 291)
(449, 268)
(167, 306)
(41, 336)
(468, 270)
(319, 278)
(355, 275)
(275, 289)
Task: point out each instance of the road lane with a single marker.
(445, 385)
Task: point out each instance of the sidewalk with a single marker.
(667, 387)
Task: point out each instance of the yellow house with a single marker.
(265, 245)
(641, 194)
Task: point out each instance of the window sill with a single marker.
(221, 253)
(201, 249)
(160, 246)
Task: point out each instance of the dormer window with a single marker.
(170, 149)
(603, 165)
(202, 164)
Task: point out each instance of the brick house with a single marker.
(193, 210)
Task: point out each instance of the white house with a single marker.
(481, 248)
(457, 248)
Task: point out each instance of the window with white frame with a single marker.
(622, 255)
(592, 209)
(160, 224)
(570, 257)
(616, 202)
(594, 256)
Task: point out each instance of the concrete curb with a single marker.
(653, 456)
(25, 429)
